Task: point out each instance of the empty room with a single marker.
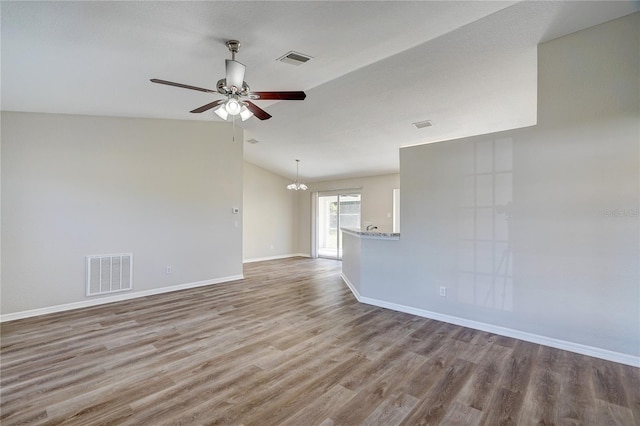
(320, 213)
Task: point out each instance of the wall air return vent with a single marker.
(110, 273)
(294, 58)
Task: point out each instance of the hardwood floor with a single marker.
(290, 345)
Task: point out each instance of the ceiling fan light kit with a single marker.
(221, 112)
(237, 92)
(245, 114)
(232, 106)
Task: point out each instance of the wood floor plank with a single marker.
(289, 344)
(607, 413)
(507, 403)
(607, 383)
(372, 369)
(482, 385)
(377, 390)
(577, 403)
(476, 349)
(318, 411)
(540, 401)
(303, 393)
(462, 415)
(392, 410)
(436, 402)
(187, 397)
(265, 387)
(631, 382)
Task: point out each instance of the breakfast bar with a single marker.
(361, 256)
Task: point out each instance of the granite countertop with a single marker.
(374, 233)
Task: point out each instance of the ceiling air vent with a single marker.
(423, 124)
(294, 58)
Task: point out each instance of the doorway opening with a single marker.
(335, 211)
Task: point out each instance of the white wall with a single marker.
(270, 215)
(74, 186)
(537, 229)
(376, 204)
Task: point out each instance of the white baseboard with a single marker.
(351, 287)
(608, 355)
(280, 256)
(111, 299)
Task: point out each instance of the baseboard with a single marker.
(111, 299)
(351, 287)
(280, 256)
(608, 355)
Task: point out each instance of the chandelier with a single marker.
(296, 185)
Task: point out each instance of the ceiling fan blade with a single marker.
(257, 111)
(235, 74)
(286, 96)
(184, 86)
(208, 106)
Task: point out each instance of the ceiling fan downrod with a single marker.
(233, 46)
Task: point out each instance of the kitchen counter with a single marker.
(373, 234)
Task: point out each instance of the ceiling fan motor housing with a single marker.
(222, 88)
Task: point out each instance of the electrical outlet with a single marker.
(443, 291)
(168, 270)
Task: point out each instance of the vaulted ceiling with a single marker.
(378, 66)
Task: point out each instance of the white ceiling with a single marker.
(469, 66)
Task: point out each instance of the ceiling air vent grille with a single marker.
(423, 124)
(294, 58)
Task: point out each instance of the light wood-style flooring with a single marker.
(290, 345)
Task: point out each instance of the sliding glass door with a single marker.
(334, 212)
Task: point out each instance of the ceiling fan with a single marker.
(237, 92)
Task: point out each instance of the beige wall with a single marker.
(534, 232)
(377, 203)
(74, 186)
(270, 215)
